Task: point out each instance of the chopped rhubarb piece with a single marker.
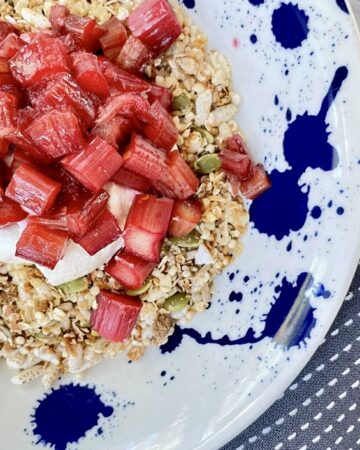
(134, 55)
(33, 36)
(257, 184)
(236, 144)
(185, 216)
(126, 177)
(155, 24)
(94, 165)
(115, 131)
(64, 91)
(42, 245)
(150, 213)
(4, 148)
(131, 106)
(69, 42)
(81, 215)
(20, 158)
(38, 60)
(10, 212)
(57, 16)
(104, 231)
(144, 159)
(179, 181)
(6, 78)
(34, 191)
(56, 133)
(128, 270)
(142, 243)
(116, 316)
(55, 219)
(162, 132)
(10, 46)
(5, 29)
(84, 30)
(114, 38)
(88, 73)
(7, 114)
(120, 80)
(162, 94)
(238, 164)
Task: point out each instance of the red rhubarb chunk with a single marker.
(104, 231)
(4, 148)
(134, 56)
(142, 243)
(55, 219)
(57, 16)
(33, 36)
(236, 144)
(114, 38)
(56, 133)
(94, 165)
(150, 213)
(10, 46)
(155, 24)
(185, 216)
(116, 316)
(42, 245)
(20, 158)
(238, 164)
(130, 271)
(5, 29)
(38, 60)
(64, 91)
(121, 81)
(7, 115)
(162, 131)
(115, 131)
(85, 31)
(257, 184)
(10, 212)
(131, 106)
(88, 74)
(82, 214)
(179, 181)
(144, 159)
(34, 191)
(126, 177)
(162, 94)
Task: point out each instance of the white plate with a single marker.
(297, 67)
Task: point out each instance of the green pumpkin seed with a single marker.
(205, 134)
(181, 103)
(191, 241)
(135, 292)
(177, 302)
(207, 164)
(74, 286)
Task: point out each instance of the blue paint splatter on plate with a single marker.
(65, 414)
(291, 306)
(342, 5)
(290, 25)
(284, 207)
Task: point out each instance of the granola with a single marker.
(45, 332)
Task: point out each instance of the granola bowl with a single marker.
(103, 277)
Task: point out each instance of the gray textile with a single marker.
(321, 410)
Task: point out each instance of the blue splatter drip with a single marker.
(189, 3)
(290, 25)
(284, 207)
(316, 212)
(340, 210)
(253, 39)
(342, 5)
(235, 297)
(290, 304)
(256, 2)
(320, 291)
(65, 414)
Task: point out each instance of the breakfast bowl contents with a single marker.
(122, 177)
